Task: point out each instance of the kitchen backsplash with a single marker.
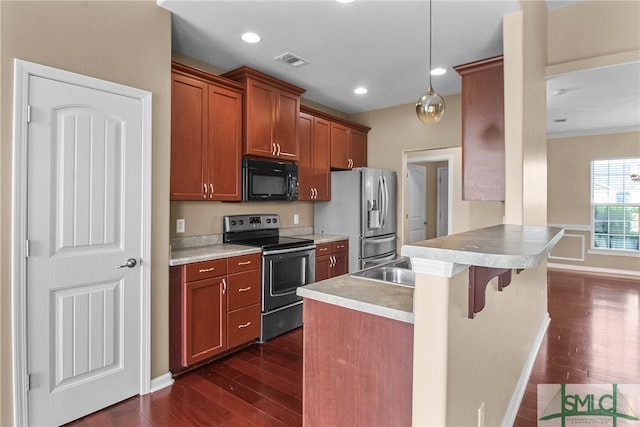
(205, 218)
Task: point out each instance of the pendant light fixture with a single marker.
(430, 107)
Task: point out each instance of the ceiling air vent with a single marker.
(291, 59)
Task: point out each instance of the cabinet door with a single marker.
(322, 158)
(204, 324)
(305, 166)
(357, 148)
(225, 141)
(259, 119)
(341, 263)
(339, 146)
(189, 179)
(323, 267)
(286, 125)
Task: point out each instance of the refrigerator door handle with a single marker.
(385, 200)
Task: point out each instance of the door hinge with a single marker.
(28, 113)
(26, 248)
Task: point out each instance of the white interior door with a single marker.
(417, 189)
(85, 211)
(443, 202)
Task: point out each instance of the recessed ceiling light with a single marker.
(344, 1)
(360, 90)
(438, 71)
(251, 37)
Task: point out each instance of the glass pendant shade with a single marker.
(430, 107)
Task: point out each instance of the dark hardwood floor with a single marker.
(594, 337)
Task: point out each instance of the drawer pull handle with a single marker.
(248, 288)
(244, 263)
(205, 270)
(323, 249)
(244, 325)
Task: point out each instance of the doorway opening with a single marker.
(428, 195)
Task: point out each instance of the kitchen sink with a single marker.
(397, 272)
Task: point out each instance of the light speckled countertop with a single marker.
(499, 246)
(369, 296)
(321, 238)
(209, 252)
(186, 255)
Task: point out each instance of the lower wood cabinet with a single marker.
(332, 259)
(214, 306)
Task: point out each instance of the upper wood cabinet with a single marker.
(206, 136)
(314, 173)
(483, 129)
(271, 108)
(348, 146)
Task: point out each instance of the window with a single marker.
(615, 204)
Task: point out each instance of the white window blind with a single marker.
(615, 204)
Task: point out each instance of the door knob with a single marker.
(131, 262)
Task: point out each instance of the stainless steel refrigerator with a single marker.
(363, 207)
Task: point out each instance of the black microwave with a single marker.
(264, 180)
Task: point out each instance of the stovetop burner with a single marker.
(261, 230)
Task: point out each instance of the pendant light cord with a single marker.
(430, 34)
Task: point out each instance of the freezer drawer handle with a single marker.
(385, 240)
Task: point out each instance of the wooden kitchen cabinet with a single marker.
(214, 307)
(332, 259)
(203, 309)
(271, 108)
(483, 156)
(206, 136)
(348, 146)
(314, 172)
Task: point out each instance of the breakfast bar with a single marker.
(425, 336)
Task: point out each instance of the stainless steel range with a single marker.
(287, 263)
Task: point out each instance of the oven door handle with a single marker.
(287, 251)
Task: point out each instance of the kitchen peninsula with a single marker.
(372, 359)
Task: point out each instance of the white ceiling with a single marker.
(382, 45)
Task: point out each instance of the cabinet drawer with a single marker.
(324, 249)
(244, 325)
(243, 263)
(205, 269)
(341, 246)
(244, 289)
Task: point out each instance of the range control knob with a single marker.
(233, 222)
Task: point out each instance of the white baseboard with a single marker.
(521, 386)
(597, 270)
(158, 383)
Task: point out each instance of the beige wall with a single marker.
(124, 42)
(570, 195)
(588, 34)
(593, 28)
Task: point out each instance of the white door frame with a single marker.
(22, 71)
(426, 159)
(439, 207)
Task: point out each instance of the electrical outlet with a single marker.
(481, 415)
(296, 219)
(180, 225)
